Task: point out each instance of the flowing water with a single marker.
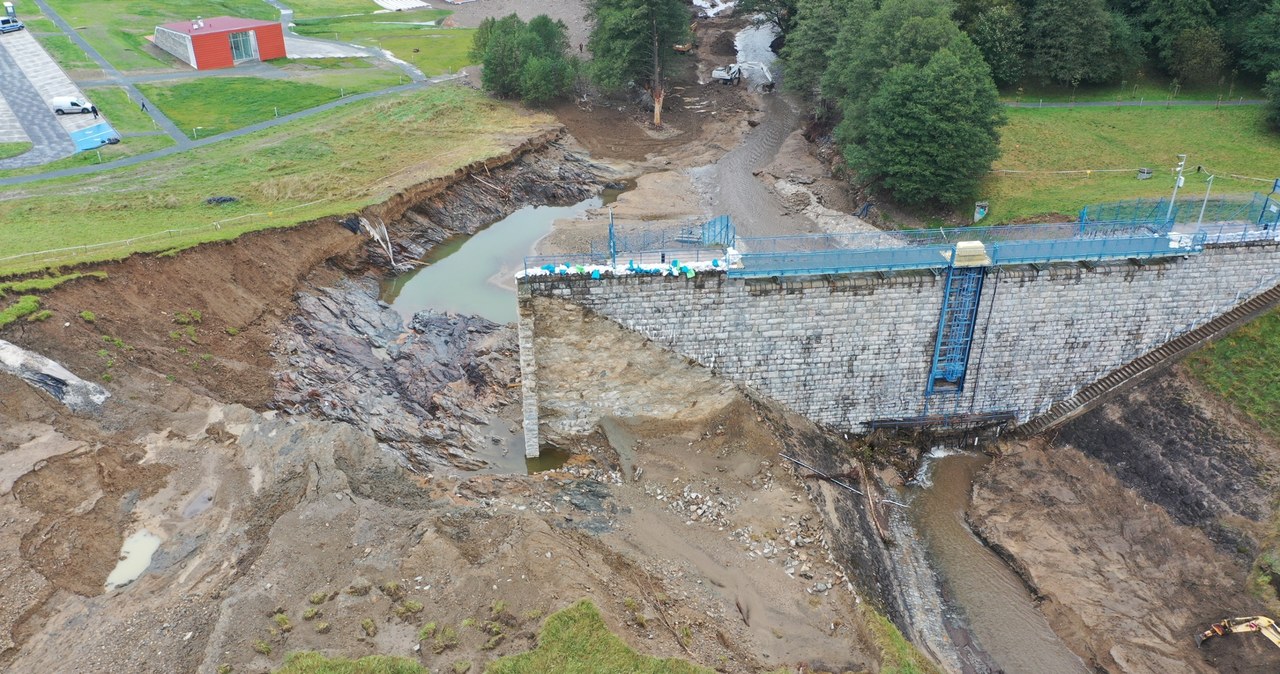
(730, 186)
(475, 274)
(995, 604)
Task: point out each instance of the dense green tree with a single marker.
(505, 50)
(545, 78)
(1272, 92)
(1259, 39)
(809, 46)
(780, 13)
(1126, 54)
(997, 32)
(1198, 55)
(631, 43)
(1167, 22)
(968, 11)
(1071, 41)
(525, 60)
(900, 32)
(931, 130)
(480, 39)
(551, 38)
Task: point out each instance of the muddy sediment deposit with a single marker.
(1136, 526)
(1183, 450)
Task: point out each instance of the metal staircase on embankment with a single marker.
(1148, 365)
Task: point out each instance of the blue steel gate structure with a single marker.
(956, 324)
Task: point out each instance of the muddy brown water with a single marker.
(474, 274)
(993, 601)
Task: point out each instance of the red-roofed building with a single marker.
(221, 42)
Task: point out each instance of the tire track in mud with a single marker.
(730, 186)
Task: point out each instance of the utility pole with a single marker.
(1182, 161)
(1206, 202)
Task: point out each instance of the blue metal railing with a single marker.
(1138, 229)
(1042, 251)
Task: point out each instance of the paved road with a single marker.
(164, 123)
(49, 140)
(297, 46)
(256, 69)
(140, 158)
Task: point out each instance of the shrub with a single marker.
(88, 316)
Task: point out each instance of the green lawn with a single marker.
(320, 64)
(330, 163)
(216, 105)
(1148, 88)
(13, 149)
(1229, 140)
(125, 115)
(440, 50)
(117, 28)
(36, 23)
(1244, 368)
(577, 641)
(315, 663)
(308, 9)
(128, 146)
(67, 53)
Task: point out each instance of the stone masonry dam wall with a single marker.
(847, 349)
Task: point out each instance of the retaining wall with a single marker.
(847, 349)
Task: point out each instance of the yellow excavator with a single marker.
(1236, 625)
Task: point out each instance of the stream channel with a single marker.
(996, 606)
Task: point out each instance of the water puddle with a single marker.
(996, 605)
(505, 452)
(474, 274)
(198, 504)
(611, 194)
(135, 557)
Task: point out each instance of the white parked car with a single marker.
(9, 24)
(64, 105)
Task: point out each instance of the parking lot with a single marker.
(32, 79)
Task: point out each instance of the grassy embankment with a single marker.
(335, 162)
(216, 105)
(1228, 140)
(118, 28)
(439, 50)
(70, 56)
(13, 149)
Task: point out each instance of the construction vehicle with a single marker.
(732, 73)
(1236, 625)
(693, 40)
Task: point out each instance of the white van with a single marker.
(63, 105)
(8, 24)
